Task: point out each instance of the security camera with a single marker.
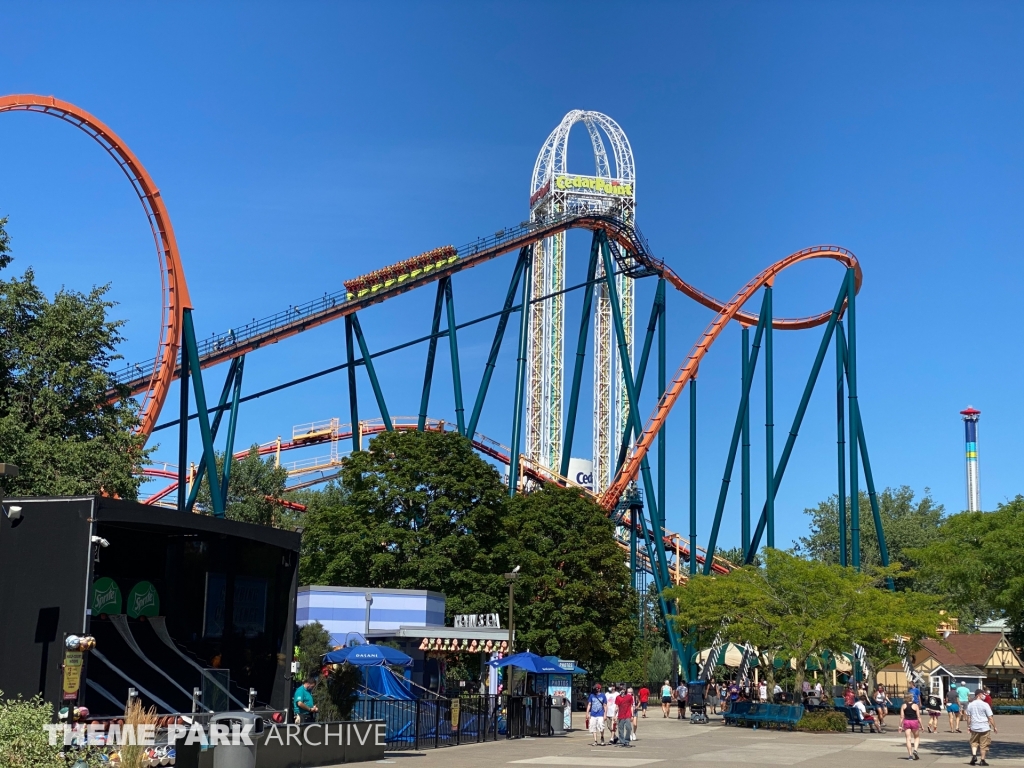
(13, 513)
(101, 541)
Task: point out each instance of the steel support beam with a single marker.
(229, 448)
(428, 373)
(453, 348)
(769, 419)
(225, 392)
(659, 567)
(353, 394)
(183, 432)
(657, 309)
(581, 353)
(737, 429)
(662, 386)
(851, 379)
(192, 351)
(841, 439)
(499, 335)
(745, 450)
(374, 383)
(798, 417)
(520, 395)
(693, 475)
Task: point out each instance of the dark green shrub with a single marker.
(822, 722)
(23, 742)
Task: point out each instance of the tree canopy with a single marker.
(908, 524)
(421, 510)
(977, 560)
(794, 608)
(56, 421)
(254, 484)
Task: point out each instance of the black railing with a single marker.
(431, 723)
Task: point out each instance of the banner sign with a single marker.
(143, 600)
(106, 597)
(72, 674)
(477, 621)
(594, 184)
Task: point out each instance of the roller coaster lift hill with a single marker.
(604, 205)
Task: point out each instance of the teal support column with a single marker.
(841, 440)
(769, 419)
(798, 418)
(517, 410)
(453, 347)
(499, 335)
(229, 448)
(353, 394)
(693, 476)
(209, 456)
(374, 383)
(428, 371)
(659, 563)
(581, 354)
(851, 378)
(224, 394)
(662, 386)
(183, 431)
(645, 355)
(633, 575)
(745, 452)
(737, 428)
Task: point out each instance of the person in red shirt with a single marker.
(625, 703)
(645, 694)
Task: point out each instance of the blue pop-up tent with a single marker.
(531, 662)
(369, 656)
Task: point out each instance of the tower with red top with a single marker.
(970, 417)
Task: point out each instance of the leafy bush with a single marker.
(822, 722)
(23, 741)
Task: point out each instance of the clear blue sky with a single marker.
(297, 145)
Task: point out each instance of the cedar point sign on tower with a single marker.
(544, 362)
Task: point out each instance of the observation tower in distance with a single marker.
(970, 416)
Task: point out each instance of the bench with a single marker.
(1008, 709)
(753, 713)
(853, 719)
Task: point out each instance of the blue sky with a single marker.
(297, 145)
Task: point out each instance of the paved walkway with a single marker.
(666, 743)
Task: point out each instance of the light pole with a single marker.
(511, 578)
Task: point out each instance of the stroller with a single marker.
(696, 693)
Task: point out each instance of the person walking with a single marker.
(681, 693)
(644, 694)
(982, 725)
(666, 699)
(713, 697)
(595, 712)
(611, 714)
(881, 706)
(762, 691)
(624, 706)
(953, 710)
(963, 698)
(305, 709)
(933, 706)
(910, 725)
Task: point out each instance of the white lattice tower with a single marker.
(553, 192)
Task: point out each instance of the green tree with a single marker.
(254, 484)
(56, 421)
(23, 742)
(977, 561)
(908, 524)
(573, 597)
(335, 694)
(418, 510)
(797, 608)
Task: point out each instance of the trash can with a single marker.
(557, 715)
(241, 755)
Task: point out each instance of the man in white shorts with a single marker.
(611, 714)
(595, 712)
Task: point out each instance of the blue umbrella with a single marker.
(531, 662)
(576, 668)
(368, 656)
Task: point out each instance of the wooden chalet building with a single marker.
(983, 658)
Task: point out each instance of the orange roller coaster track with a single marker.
(155, 386)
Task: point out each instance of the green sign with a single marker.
(143, 600)
(106, 597)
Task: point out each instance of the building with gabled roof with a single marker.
(989, 652)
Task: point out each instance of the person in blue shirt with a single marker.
(595, 711)
(915, 692)
(302, 703)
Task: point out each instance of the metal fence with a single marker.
(471, 719)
